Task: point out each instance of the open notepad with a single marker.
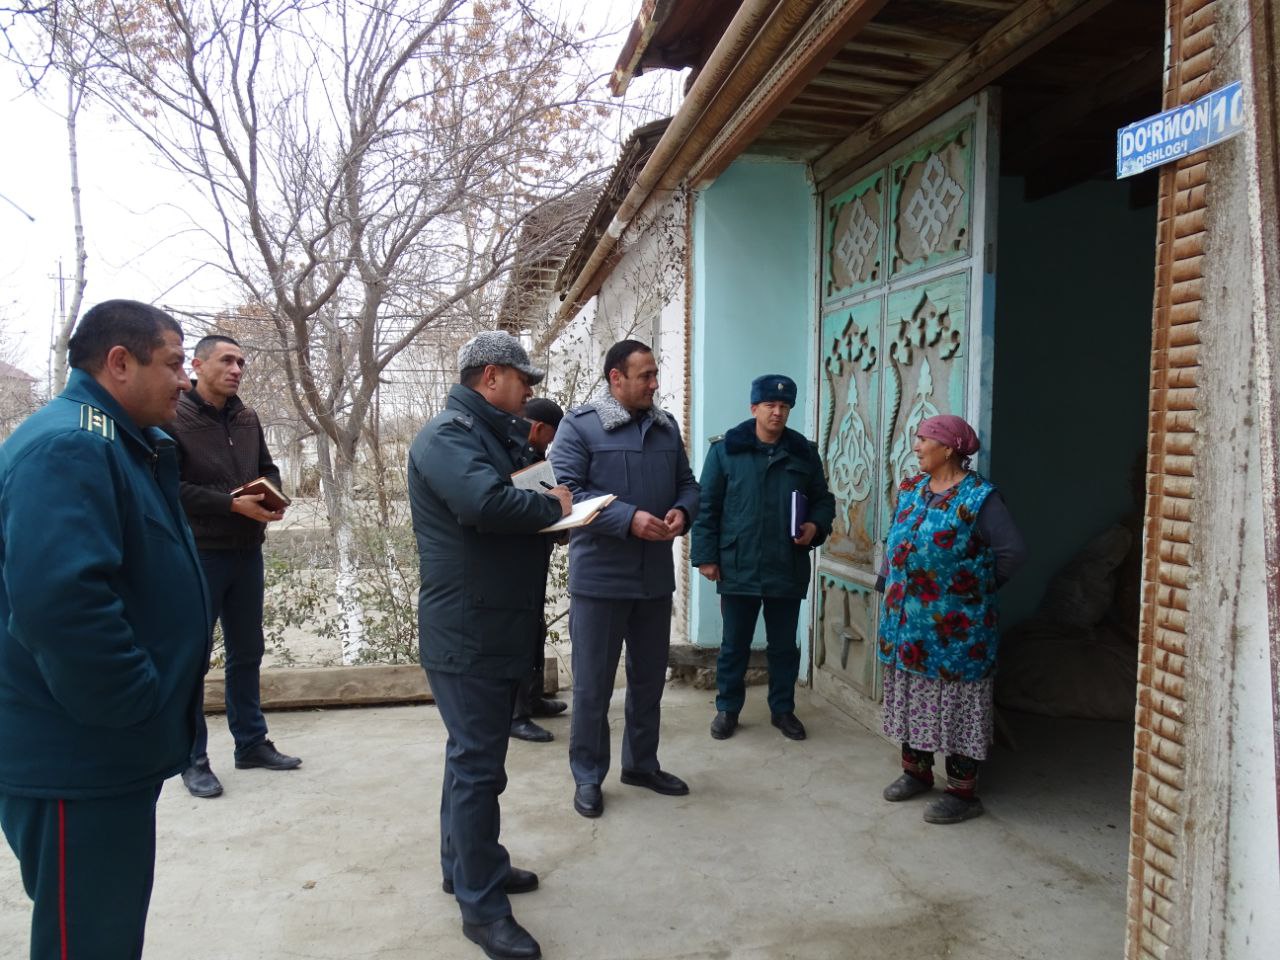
(582, 513)
(538, 477)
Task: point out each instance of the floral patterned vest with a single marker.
(939, 616)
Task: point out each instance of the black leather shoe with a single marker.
(723, 725)
(659, 781)
(266, 755)
(546, 707)
(199, 779)
(790, 725)
(518, 881)
(503, 940)
(528, 730)
(588, 800)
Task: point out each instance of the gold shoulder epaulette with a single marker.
(717, 438)
(95, 421)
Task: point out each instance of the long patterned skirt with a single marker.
(950, 716)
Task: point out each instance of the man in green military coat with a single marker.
(103, 633)
(743, 542)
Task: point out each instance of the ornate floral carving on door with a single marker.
(855, 238)
(931, 202)
(926, 370)
(850, 396)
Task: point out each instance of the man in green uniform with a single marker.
(743, 542)
(103, 633)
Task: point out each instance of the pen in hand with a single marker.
(562, 494)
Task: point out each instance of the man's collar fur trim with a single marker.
(613, 414)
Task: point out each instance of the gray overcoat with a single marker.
(600, 448)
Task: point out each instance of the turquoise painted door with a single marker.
(905, 334)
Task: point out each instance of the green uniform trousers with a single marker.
(88, 866)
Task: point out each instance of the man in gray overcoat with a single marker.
(483, 566)
(621, 571)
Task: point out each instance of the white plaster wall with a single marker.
(1253, 847)
(643, 297)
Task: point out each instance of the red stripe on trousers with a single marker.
(62, 874)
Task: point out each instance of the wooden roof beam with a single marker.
(819, 40)
(642, 31)
(880, 68)
(1015, 38)
(898, 37)
(827, 87)
(1003, 6)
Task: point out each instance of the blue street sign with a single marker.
(1157, 140)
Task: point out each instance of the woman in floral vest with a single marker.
(951, 545)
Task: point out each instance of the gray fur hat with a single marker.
(500, 348)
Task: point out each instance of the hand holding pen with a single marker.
(562, 494)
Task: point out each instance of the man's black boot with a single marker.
(503, 939)
(547, 707)
(588, 800)
(528, 730)
(200, 780)
(723, 725)
(790, 725)
(266, 756)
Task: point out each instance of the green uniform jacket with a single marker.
(104, 625)
(744, 521)
(482, 560)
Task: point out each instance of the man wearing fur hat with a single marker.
(621, 570)
(743, 542)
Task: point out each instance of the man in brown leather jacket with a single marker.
(221, 447)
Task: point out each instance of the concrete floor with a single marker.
(782, 850)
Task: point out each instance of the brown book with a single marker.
(272, 498)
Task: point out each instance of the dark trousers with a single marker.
(87, 865)
(477, 715)
(530, 688)
(598, 628)
(781, 615)
(235, 598)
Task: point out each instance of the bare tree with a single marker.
(56, 48)
(264, 385)
(74, 71)
(370, 165)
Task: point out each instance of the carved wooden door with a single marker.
(905, 334)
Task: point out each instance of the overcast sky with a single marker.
(138, 214)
